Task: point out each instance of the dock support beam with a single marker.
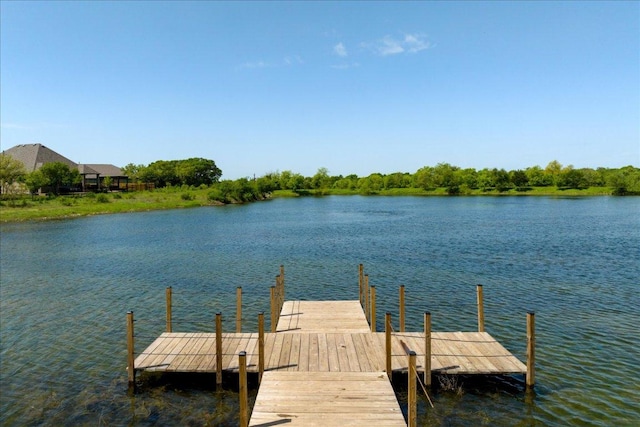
(168, 294)
(244, 397)
(239, 309)
(219, 351)
(480, 309)
(427, 349)
(131, 372)
(387, 347)
(401, 320)
(412, 392)
(260, 346)
(531, 350)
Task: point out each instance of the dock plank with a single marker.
(326, 399)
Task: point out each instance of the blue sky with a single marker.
(356, 87)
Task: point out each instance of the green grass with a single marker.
(42, 208)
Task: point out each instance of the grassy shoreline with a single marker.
(64, 207)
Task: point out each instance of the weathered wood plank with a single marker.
(326, 399)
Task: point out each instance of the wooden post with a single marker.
(373, 308)
(219, 351)
(401, 326)
(367, 307)
(282, 283)
(274, 320)
(412, 403)
(361, 283)
(239, 309)
(480, 309)
(244, 398)
(427, 349)
(168, 294)
(531, 349)
(260, 346)
(131, 371)
(387, 335)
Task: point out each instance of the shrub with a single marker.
(117, 196)
(102, 198)
(187, 196)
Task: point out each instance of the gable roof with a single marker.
(33, 156)
(103, 170)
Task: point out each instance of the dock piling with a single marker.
(412, 392)
(244, 396)
(168, 295)
(373, 308)
(480, 309)
(219, 351)
(427, 349)
(361, 283)
(401, 319)
(130, 352)
(531, 350)
(239, 309)
(274, 315)
(387, 335)
(260, 346)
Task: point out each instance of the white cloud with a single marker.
(388, 45)
(340, 50)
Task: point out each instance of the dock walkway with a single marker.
(324, 366)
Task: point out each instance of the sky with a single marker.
(353, 87)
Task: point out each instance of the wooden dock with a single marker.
(324, 366)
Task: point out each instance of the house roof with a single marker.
(33, 156)
(104, 169)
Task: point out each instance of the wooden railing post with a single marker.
(244, 397)
(361, 283)
(260, 346)
(219, 351)
(373, 308)
(168, 294)
(274, 316)
(427, 349)
(387, 340)
(412, 402)
(401, 320)
(480, 309)
(239, 309)
(131, 371)
(367, 306)
(531, 349)
(282, 284)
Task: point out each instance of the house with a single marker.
(94, 176)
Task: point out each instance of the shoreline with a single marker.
(68, 207)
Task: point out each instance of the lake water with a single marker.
(66, 287)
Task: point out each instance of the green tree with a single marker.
(196, 171)
(553, 170)
(321, 179)
(35, 181)
(134, 172)
(12, 171)
(537, 177)
(519, 179)
(424, 178)
(58, 175)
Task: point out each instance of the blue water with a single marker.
(67, 285)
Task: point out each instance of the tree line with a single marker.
(456, 180)
(199, 172)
